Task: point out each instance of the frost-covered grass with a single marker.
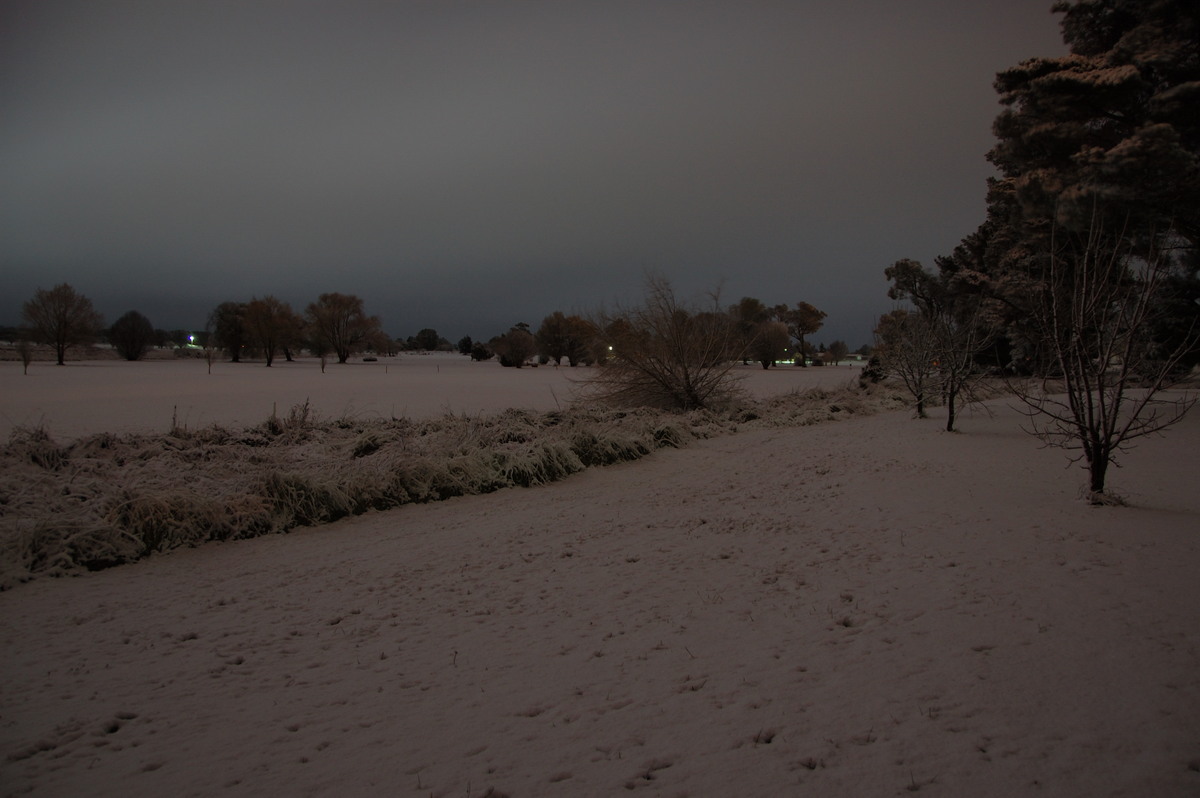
(103, 500)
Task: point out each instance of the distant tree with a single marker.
(465, 344)
(227, 329)
(837, 352)
(769, 342)
(293, 332)
(667, 354)
(802, 320)
(25, 351)
(514, 347)
(271, 325)
(338, 323)
(427, 340)
(749, 314)
(565, 336)
(61, 318)
(480, 352)
(131, 335)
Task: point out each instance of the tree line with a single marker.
(338, 325)
(1084, 279)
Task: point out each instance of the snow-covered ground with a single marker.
(90, 396)
(870, 607)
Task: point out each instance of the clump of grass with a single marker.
(36, 445)
(305, 499)
(165, 520)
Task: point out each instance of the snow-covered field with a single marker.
(91, 396)
(868, 607)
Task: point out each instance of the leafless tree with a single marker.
(337, 322)
(837, 352)
(952, 307)
(271, 324)
(667, 354)
(908, 350)
(1093, 311)
(25, 351)
(61, 318)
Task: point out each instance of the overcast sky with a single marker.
(469, 165)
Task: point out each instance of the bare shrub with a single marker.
(668, 355)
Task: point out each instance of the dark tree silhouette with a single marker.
(271, 325)
(338, 323)
(802, 320)
(132, 335)
(565, 336)
(227, 329)
(61, 318)
(514, 347)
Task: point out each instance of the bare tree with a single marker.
(1094, 310)
(271, 325)
(25, 351)
(338, 323)
(952, 305)
(61, 318)
(907, 349)
(837, 352)
(667, 354)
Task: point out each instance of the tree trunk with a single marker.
(1097, 471)
(950, 410)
